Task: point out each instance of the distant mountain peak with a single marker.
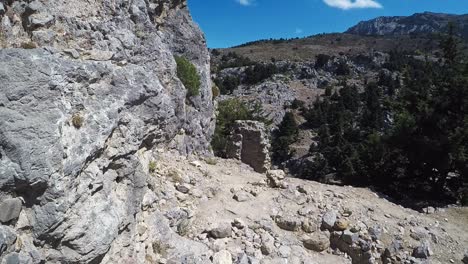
(419, 23)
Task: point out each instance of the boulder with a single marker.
(242, 196)
(328, 220)
(7, 238)
(288, 223)
(222, 257)
(341, 225)
(40, 20)
(393, 249)
(268, 243)
(375, 232)
(309, 226)
(221, 231)
(319, 242)
(10, 209)
(423, 251)
(350, 237)
(275, 178)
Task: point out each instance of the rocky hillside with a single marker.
(223, 212)
(88, 90)
(422, 23)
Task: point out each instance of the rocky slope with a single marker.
(225, 213)
(421, 23)
(88, 89)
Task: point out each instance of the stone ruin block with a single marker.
(249, 143)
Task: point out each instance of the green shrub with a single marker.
(188, 75)
(152, 166)
(211, 161)
(77, 120)
(229, 111)
(215, 90)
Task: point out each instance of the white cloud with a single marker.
(350, 4)
(299, 31)
(245, 2)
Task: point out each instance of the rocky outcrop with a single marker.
(286, 225)
(249, 143)
(88, 91)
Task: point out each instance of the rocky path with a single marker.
(236, 215)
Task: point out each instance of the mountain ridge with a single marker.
(418, 23)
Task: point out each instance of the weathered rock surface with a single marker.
(80, 117)
(10, 209)
(317, 243)
(249, 143)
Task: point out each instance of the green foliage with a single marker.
(215, 90)
(342, 69)
(227, 84)
(188, 75)
(152, 166)
(321, 60)
(284, 136)
(230, 111)
(259, 72)
(215, 52)
(233, 60)
(408, 137)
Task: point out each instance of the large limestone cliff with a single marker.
(88, 89)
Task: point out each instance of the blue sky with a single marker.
(231, 22)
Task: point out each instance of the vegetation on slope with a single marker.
(188, 75)
(406, 137)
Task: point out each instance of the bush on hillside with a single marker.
(230, 111)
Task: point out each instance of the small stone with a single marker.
(341, 224)
(275, 177)
(72, 52)
(288, 223)
(196, 164)
(183, 188)
(10, 209)
(394, 248)
(429, 210)
(40, 20)
(309, 226)
(221, 231)
(304, 189)
(350, 237)
(222, 257)
(238, 223)
(305, 211)
(423, 251)
(318, 243)
(268, 244)
(375, 232)
(242, 196)
(7, 238)
(419, 233)
(328, 220)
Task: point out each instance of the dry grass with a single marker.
(331, 44)
(28, 45)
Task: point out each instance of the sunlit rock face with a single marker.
(88, 89)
